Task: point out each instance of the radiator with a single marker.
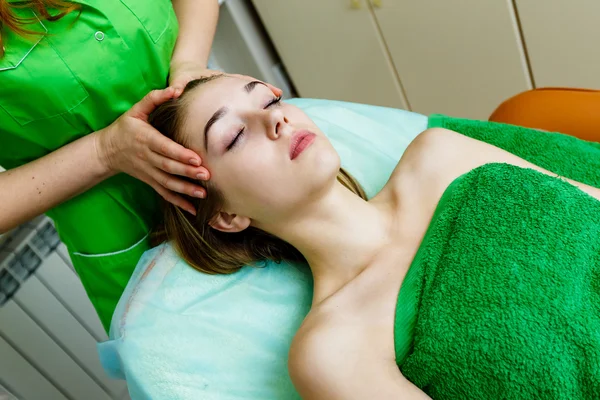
(48, 326)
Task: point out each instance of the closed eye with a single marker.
(275, 102)
(236, 139)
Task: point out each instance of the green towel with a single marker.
(502, 299)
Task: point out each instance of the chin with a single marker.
(325, 169)
(322, 155)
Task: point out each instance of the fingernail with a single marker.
(199, 194)
(194, 161)
(201, 176)
(191, 211)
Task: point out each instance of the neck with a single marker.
(338, 234)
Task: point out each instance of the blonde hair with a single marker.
(203, 247)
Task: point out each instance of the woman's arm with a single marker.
(36, 187)
(197, 24)
(128, 145)
(337, 363)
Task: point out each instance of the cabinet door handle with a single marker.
(377, 3)
(355, 4)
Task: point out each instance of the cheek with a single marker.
(251, 179)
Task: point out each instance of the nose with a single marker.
(277, 124)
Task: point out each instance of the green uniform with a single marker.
(78, 78)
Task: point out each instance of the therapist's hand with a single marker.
(133, 146)
(184, 72)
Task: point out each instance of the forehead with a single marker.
(208, 98)
(210, 95)
(227, 91)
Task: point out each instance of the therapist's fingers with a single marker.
(178, 168)
(153, 99)
(177, 185)
(276, 91)
(174, 199)
(161, 144)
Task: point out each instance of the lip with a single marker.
(300, 141)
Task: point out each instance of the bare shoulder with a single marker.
(326, 352)
(429, 164)
(438, 156)
(321, 344)
(432, 151)
(332, 360)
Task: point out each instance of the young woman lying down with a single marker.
(463, 277)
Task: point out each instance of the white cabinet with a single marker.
(562, 41)
(332, 50)
(457, 57)
(461, 58)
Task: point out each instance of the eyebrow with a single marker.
(249, 87)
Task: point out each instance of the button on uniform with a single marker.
(99, 36)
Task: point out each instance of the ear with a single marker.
(230, 223)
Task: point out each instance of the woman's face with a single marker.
(266, 157)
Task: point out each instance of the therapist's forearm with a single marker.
(36, 187)
(197, 24)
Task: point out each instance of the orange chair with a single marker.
(575, 112)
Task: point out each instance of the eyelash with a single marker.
(235, 140)
(274, 102)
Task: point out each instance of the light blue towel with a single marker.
(181, 334)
